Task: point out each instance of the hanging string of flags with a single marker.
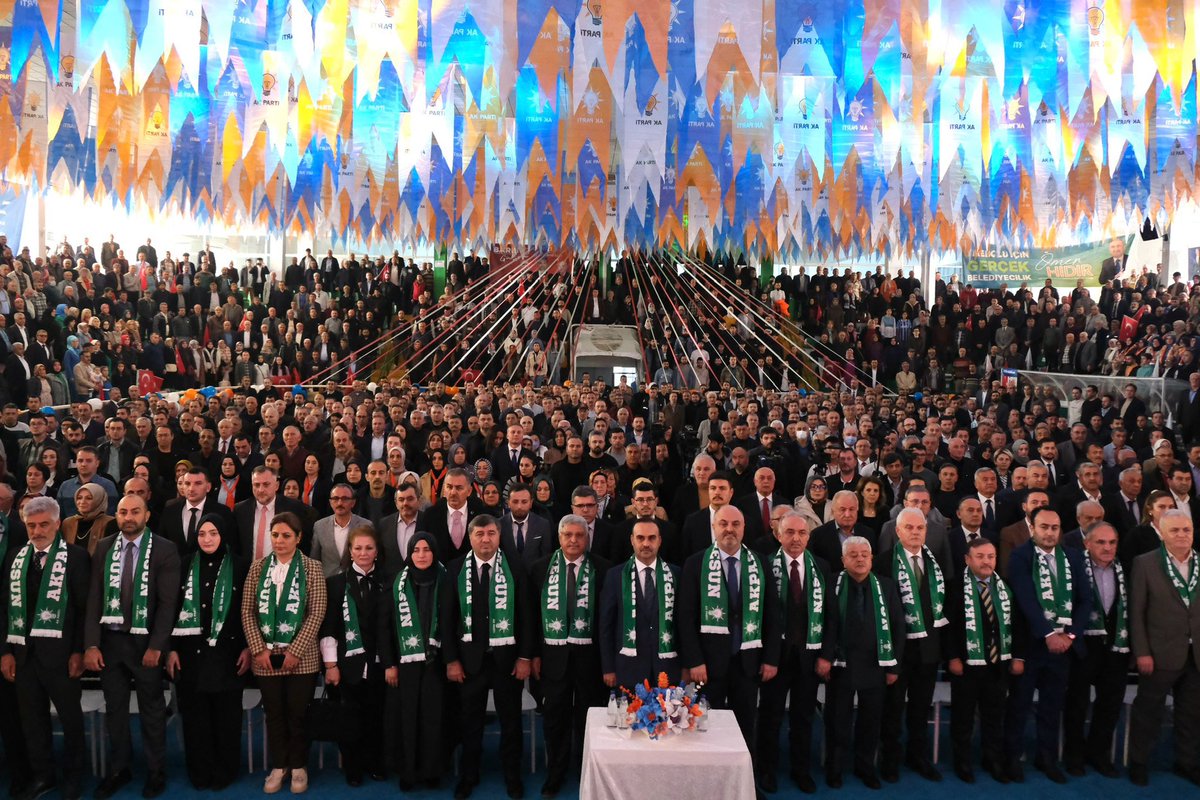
(791, 126)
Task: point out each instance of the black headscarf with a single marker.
(221, 525)
(415, 574)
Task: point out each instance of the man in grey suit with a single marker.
(937, 529)
(120, 653)
(525, 535)
(1165, 638)
(396, 530)
(331, 534)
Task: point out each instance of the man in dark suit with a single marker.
(1131, 407)
(921, 581)
(809, 632)
(1104, 664)
(638, 632)
(448, 518)
(524, 535)
(252, 517)
(1164, 631)
(396, 530)
(488, 646)
(44, 663)
(20, 774)
(827, 540)
(645, 508)
(600, 533)
(981, 658)
(1188, 412)
(1111, 267)
(696, 535)
(117, 452)
(1085, 487)
(506, 457)
(969, 528)
(870, 648)
(126, 637)
(1053, 629)
(181, 516)
(756, 507)
(1087, 514)
(723, 589)
(1123, 508)
(566, 586)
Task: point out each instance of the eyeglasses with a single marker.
(341, 499)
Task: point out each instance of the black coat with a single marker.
(470, 654)
(212, 668)
(170, 523)
(713, 649)
(557, 658)
(646, 665)
(434, 520)
(369, 605)
(932, 646)
(48, 653)
(825, 542)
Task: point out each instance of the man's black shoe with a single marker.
(868, 777)
(1015, 771)
(804, 782)
(964, 773)
(515, 789)
(156, 784)
(112, 784)
(1104, 767)
(1139, 775)
(833, 780)
(463, 790)
(1055, 774)
(551, 789)
(354, 781)
(769, 783)
(925, 769)
(1188, 774)
(34, 790)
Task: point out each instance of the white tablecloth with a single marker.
(713, 763)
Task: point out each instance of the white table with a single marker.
(712, 763)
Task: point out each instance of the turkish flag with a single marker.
(148, 382)
(1129, 328)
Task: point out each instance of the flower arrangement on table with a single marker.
(664, 709)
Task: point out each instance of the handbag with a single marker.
(332, 718)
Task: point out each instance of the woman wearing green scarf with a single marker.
(209, 658)
(411, 655)
(350, 648)
(283, 606)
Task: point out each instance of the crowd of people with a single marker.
(418, 543)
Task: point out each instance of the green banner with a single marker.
(1062, 265)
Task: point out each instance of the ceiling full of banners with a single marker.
(839, 127)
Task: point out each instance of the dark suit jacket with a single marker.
(752, 511)
(713, 649)
(932, 646)
(1116, 512)
(956, 646)
(244, 522)
(1160, 625)
(1025, 598)
(1067, 498)
(393, 559)
(434, 520)
(825, 542)
(857, 644)
(1109, 270)
(170, 523)
(128, 451)
(48, 653)
(368, 606)
(540, 538)
(162, 605)
(557, 658)
(470, 654)
(958, 548)
(631, 670)
(621, 547)
(502, 468)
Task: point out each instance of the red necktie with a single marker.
(766, 514)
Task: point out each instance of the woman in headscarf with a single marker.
(87, 527)
(230, 488)
(431, 481)
(349, 650)
(283, 607)
(410, 653)
(209, 658)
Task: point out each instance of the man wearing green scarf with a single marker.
(921, 580)
(488, 642)
(869, 651)
(43, 589)
(132, 605)
(16, 751)
(1052, 596)
(566, 587)
(1105, 663)
(1165, 637)
(729, 621)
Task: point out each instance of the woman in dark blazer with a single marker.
(349, 650)
(410, 654)
(230, 487)
(314, 489)
(209, 658)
